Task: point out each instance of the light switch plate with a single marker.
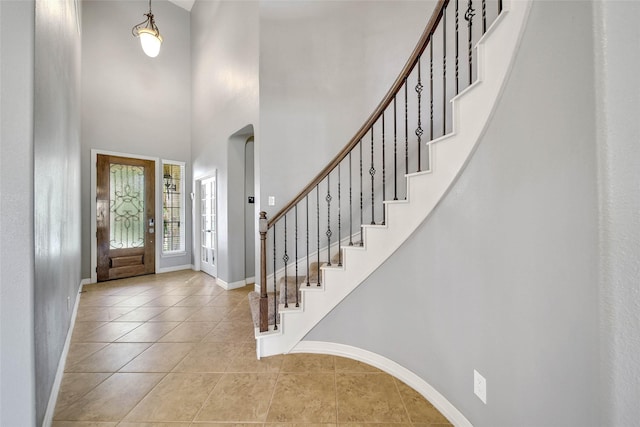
(480, 386)
(272, 200)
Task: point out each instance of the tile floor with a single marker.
(176, 350)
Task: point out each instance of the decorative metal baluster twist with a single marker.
(395, 151)
(296, 252)
(372, 172)
(444, 70)
(275, 286)
(431, 88)
(457, 52)
(419, 130)
(350, 204)
(499, 7)
(468, 16)
(329, 232)
(285, 259)
(339, 220)
(306, 198)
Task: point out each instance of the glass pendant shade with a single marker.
(150, 41)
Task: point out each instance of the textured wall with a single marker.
(134, 104)
(503, 275)
(617, 64)
(17, 377)
(56, 185)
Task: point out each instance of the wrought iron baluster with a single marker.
(318, 224)
(372, 172)
(285, 259)
(499, 7)
(484, 16)
(329, 232)
(406, 128)
(361, 199)
(457, 53)
(444, 70)
(419, 130)
(350, 204)
(395, 151)
(431, 87)
(275, 286)
(296, 253)
(384, 194)
(339, 220)
(306, 198)
(468, 16)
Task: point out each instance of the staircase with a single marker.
(309, 278)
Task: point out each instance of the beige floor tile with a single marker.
(344, 364)
(178, 397)
(226, 299)
(208, 314)
(224, 405)
(241, 313)
(189, 332)
(109, 359)
(208, 357)
(149, 332)
(156, 424)
(141, 314)
(88, 300)
(231, 332)
(110, 332)
(420, 409)
(108, 401)
(83, 424)
(76, 385)
(194, 301)
(160, 357)
(174, 314)
(166, 300)
(82, 329)
(303, 398)
(80, 350)
(101, 314)
(300, 424)
(369, 397)
(303, 362)
(135, 301)
(245, 360)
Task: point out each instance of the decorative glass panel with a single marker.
(172, 207)
(126, 186)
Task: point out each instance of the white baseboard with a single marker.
(250, 280)
(392, 368)
(174, 268)
(55, 389)
(85, 282)
(229, 286)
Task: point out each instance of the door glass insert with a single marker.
(126, 201)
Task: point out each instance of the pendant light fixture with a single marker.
(149, 34)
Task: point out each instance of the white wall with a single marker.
(134, 104)
(17, 374)
(618, 64)
(224, 52)
(324, 66)
(503, 275)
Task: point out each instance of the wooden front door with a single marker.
(125, 217)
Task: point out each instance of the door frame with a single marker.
(94, 225)
(197, 223)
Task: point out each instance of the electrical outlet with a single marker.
(68, 303)
(480, 386)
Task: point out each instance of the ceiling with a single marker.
(185, 4)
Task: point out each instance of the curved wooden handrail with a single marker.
(382, 106)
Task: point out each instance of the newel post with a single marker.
(264, 301)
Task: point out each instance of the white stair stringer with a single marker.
(472, 111)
